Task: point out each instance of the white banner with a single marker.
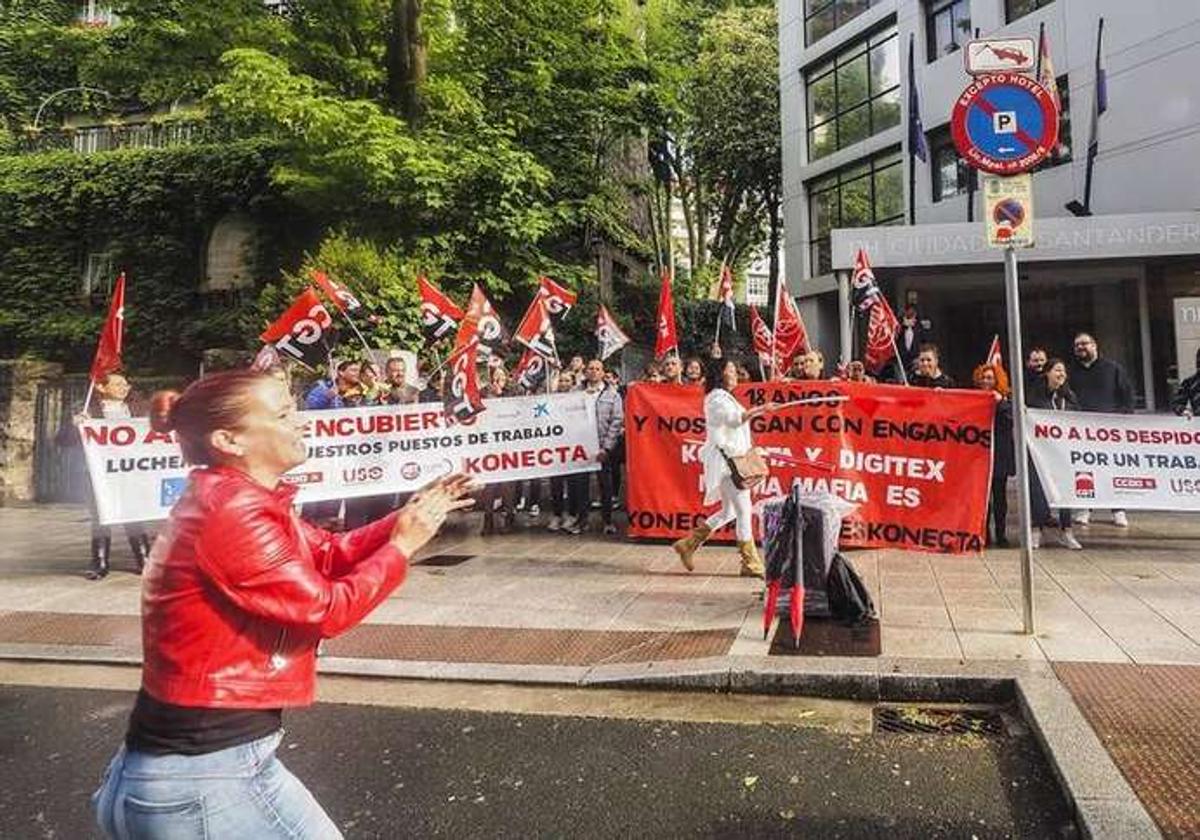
(137, 474)
(1116, 460)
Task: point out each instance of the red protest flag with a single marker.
(108, 349)
(440, 316)
(761, 334)
(609, 334)
(300, 332)
(531, 371)
(487, 327)
(536, 330)
(665, 339)
(791, 338)
(462, 399)
(882, 324)
(558, 299)
(338, 295)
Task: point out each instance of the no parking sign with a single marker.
(1008, 210)
(1004, 123)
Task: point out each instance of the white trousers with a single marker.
(735, 504)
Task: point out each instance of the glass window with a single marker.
(823, 16)
(864, 194)
(950, 171)
(854, 96)
(98, 275)
(1014, 9)
(1062, 154)
(948, 26)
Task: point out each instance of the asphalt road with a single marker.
(402, 772)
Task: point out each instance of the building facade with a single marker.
(1124, 274)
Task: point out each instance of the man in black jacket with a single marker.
(1100, 385)
(1186, 402)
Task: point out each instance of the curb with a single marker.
(1104, 804)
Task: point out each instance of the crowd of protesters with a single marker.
(1087, 382)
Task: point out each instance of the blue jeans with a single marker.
(243, 791)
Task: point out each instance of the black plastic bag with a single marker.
(849, 600)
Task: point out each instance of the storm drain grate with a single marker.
(923, 720)
(444, 560)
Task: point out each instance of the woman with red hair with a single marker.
(236, 595)
(1004, 463)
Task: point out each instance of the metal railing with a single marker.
(144, 135)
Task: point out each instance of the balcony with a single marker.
(93, 139)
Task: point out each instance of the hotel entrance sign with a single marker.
(1004, 123)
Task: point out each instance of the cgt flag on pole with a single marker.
(665, 339)
(868, 300)
(338, 295)
(440, 316)
(300, 332)
(762, 337)
(536, 330)
(532, 371)
(791, 338)
(557, 299)
(609, 334)
(462, 399)
(487, 329)
(112, 336)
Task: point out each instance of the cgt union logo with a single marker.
(363, 475)
(1085, 485)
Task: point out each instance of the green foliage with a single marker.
(381, 278)
(153, 210)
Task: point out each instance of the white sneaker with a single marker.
(555, 523)
(535, 511)
(1067, 539)
(1082, 517)
(574, 524)
(1120, 519)
(610, 530)
(1035, 538)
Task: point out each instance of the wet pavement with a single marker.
(430, 772)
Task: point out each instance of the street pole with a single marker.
(1017, 366)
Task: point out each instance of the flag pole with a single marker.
(899, 360)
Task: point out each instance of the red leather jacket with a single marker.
(239, 590)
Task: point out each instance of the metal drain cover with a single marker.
(934, 720)
(444, 560)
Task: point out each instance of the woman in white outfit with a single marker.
(728, 434)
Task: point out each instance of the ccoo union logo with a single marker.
(1133, 483)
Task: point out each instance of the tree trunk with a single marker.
(406, 58)
(418, 63)
(701, 257)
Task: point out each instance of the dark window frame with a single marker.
(862, 47)
(935, 9)
(841, 15)
(1013, 12)
(837, 182)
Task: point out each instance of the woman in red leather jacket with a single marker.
(237, 594)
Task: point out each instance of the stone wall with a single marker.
(18, 401)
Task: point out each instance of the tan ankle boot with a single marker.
(687, 546)
(752, 564)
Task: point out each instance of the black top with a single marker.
(1004, 458)
(1101, 386)
(166, 729)
(1187, 396)
(1042, 397)
(939, 381)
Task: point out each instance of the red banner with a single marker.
(917, 462)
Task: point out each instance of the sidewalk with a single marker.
(1116, 623)
(1130, 597)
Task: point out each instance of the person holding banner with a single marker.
(1052, 392)
(234, 603)
(1186, 401)
(727, 425)
(112, 391)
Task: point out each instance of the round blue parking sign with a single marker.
(1005, 123)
